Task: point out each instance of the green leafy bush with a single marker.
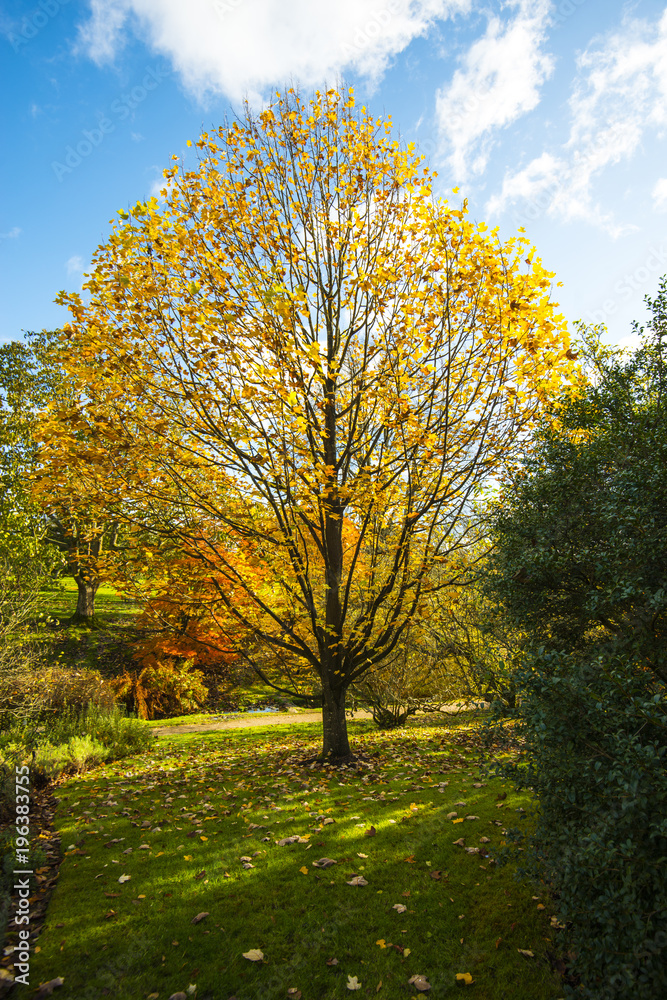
(580, 567)
(119, 733)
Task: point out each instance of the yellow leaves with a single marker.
(381, 943)
(464, 979)
(303, 870)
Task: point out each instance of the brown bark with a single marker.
(85, 603)
(334, 725)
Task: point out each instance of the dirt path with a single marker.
(273, 719)
(263, 719)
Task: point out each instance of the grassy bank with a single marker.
(153, 842)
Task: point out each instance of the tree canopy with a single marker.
(305, 359)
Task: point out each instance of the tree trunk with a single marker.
(334, 725)
(85, 604)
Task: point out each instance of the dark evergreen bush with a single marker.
(581, 569)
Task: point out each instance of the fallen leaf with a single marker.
(328, 820)
(200, 916)
(358, 880)
(353, 983)
(378, 987)
(460, 842)
(382, 943)
(112, 895)
(294, 992)
(370, 832)
(399, 907)
(124, 878)
(303, 870)
(178, 996)
(485, 840)
(406, 952)
(464, 979)
(254, 955)
(498, 942)
(436, 875)
(459, 820)
(451, 815)
(406, 893)
(332, 961)
(420, 982)
(324, 863)
(46, 989)
(361, 855)
(526, 952)
(540, 906)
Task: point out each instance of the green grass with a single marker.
(109, 605)
(201, 718)
(136, 939)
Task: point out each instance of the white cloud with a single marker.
(13, 234)
(157, 187)
(500, 80)
(659, 194)
(239, 47)
(619, 94)
(74, 265)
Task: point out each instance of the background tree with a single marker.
(580, 569)
(26, 385)
(303, 335)
(63, 515)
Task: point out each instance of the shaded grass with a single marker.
(109, 606)
(133, 939)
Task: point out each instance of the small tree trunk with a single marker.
(85, 604)
(334, 724)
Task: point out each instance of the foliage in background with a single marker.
(581, 567)
(392, 352)
(162, 688)
(44, 692)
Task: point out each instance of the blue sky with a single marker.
(547, 115)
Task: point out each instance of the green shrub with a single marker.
(51, 759)
(595, 756)
(121, 734)
(85, 752)
(579, 567)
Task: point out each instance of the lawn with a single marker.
(153, 842)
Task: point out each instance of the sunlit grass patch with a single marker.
(190, 811)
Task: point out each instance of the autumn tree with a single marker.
(55, 494)
(303, 337)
